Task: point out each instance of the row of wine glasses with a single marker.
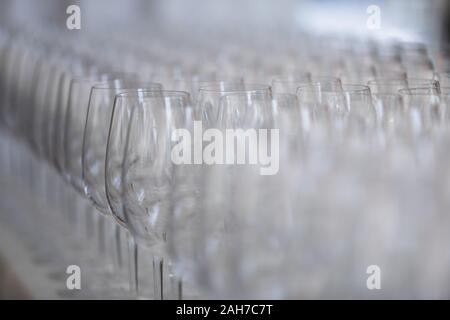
(349, 168)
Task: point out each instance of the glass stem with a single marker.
(133, 264)
(118, 238)
(101, 235)
(177, 287)
(158, 274)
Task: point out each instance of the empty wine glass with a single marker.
(193, 85)
(209, 233)
(79, 95)
(138, 165)
(95, 138)
(321, 102)
(389, 111)
(211, 97)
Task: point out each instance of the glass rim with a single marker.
(97, 76)
(436, 73)
(247, 88)
(133, 93)
(83, 79)
(346, 88)
(312, 80)
(424, 91)
(396, 80)
(220, 79)
(108, 85)
(283, 94)
(386, 94)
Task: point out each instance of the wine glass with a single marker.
(209, 229)
(389, 113)
(79, 209)
(95, 138)
(138, 165)
(211, 97)
(193, 85)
